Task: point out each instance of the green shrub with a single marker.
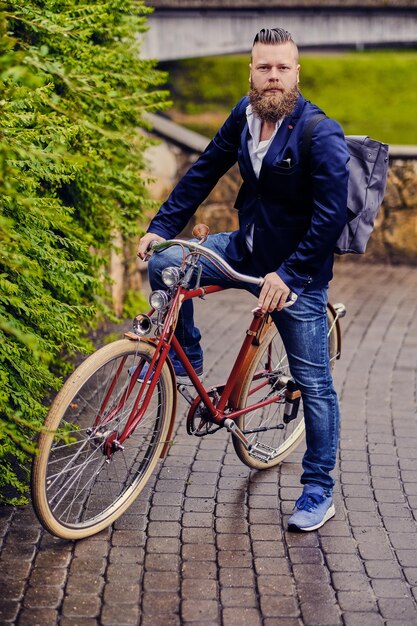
(73, 89)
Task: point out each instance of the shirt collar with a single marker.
(254, 124)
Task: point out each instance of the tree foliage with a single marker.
(73, 90)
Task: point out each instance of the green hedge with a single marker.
(73, 90)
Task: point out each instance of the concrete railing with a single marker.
(190, 33)
(194, 142)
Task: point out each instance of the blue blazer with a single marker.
(298, 208)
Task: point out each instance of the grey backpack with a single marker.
(368, 167)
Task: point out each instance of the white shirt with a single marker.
(257, 150)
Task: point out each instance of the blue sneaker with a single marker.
(312, 509)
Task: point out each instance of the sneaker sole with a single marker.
(329, 514)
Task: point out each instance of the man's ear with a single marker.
(250, 73)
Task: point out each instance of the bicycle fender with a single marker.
(244, 365)
(332, 313)
(169, 440)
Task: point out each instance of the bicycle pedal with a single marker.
(262, 452)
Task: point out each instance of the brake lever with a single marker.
(152, 245)
(292, 298)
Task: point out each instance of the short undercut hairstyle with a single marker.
(274, 36)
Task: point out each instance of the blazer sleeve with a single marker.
(329, 176)
(201, 178)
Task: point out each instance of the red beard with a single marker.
(271, 107)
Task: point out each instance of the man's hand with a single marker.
(274, 293)
(144, 244)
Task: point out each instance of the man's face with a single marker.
(274, 76)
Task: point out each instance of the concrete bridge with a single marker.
(187, 29)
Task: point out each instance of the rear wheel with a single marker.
(82, 480)
(268, 374)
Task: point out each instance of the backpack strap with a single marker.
(308, 133)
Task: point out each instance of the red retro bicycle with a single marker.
(113, 419)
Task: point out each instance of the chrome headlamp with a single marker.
(159, 300)
(171, 276)
(142, 324)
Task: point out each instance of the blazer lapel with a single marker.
(247, 162)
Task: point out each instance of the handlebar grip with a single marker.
(151, 246)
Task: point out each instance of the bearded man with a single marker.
(291, 213)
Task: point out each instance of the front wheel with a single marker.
(267, 374)
(82, 480)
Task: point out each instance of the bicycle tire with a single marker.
(284, 438)
(76, 490)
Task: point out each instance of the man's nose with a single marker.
(274, 74)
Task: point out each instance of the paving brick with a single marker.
(114, 615)
(268, 548)
(81, 605)
(122, 593)
(8, 611)
(160, 603)
(43, 597)
(237, 577)
(305, 555)
(161, 620)
(349, 581)
(204, 588)
(199, 610)
(407, 558)
(199, 569)
(280, 584)
(236, 542)
(79, 566)
(279, 606)
(37, 617)
(245, 598)
(382, 569)
(161, 581)
(411, 575)
(320, 614)
(86, 584)
(199, 552)
(362, 619)
(363, 600)
(390, 588)
(399, 609)
(237, 617)
(307, 572)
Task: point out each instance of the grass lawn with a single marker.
(370, 93)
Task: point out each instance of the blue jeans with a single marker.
(303, 329)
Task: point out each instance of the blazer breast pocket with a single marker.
(286, 167)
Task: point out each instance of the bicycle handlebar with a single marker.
(156, 246)
(211, 256)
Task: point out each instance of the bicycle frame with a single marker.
(167, 340)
